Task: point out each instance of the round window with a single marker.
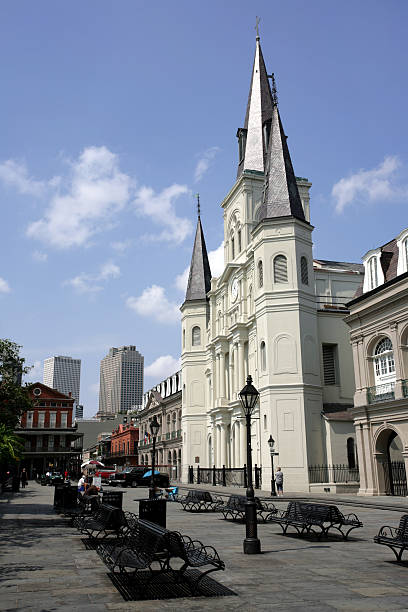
(37, 391)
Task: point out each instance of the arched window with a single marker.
(384, 361)
(280, 269)
(263, 356)
(351, 455)
(232, 247)
(239, 241)
(372, 273)
(260, 274)
(304, 274)
(196, 336)
(184, 338)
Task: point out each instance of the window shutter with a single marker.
(280, 269)
(329, 366)
(303, 271)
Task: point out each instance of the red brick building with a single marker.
(50, 439)
(124, 445)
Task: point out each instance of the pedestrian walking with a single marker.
(81, 484)
(279, 481)
(24, 478)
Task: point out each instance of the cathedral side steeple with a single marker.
(281, 195)
(252, 138)
(199, 280)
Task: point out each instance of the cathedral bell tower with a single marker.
(194, 320)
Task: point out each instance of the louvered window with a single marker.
(263, 356)
(372, 269)
(196, 336)
(329, 364)
(260, 274)
(303, 271)
(280, 269)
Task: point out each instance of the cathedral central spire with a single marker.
(252, 137)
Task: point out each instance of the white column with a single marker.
(217, 377)
(218, 455)
(242, 442)
(237, 453)
(241, 366)
(222, 375)
(223, 457)
(369, 459)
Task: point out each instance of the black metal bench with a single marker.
(307, 517)
(234, 509)
(395, 538)
(103, 522)
(201, 501)
(85, 506)
(113, 498)
(149, 543)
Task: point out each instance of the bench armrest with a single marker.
(352, 517)
(388, 532)
(211, 554)
(131, 520)
(269, 506)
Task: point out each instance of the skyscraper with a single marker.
(121, 380)
(63, 374)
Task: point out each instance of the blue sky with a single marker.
(113, 114)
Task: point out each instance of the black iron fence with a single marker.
(224, 477)
(333, 473)
(395, 478)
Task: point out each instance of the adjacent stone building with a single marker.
(378, 321)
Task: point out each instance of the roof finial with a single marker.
(274, 90)
(258, 19)
(197, 195)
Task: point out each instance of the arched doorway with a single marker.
(394, 476)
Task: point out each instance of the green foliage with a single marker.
(14, 399)
(11, 445)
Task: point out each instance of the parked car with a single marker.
(133, 477)
(106, 473)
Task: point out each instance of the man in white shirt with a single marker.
(81, 484)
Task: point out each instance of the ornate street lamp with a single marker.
(273, 452)
(249, 397)
(154, 429)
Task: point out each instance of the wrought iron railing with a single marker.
(395, 478)
(121, 453)
(319, 474)
(381, 393)
(225, 477)
(332, 302)
(405, 387)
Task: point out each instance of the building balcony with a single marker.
(122, 453)
(52, 450)
(381, 393)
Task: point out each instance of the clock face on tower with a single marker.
(234, 290)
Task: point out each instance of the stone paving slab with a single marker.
(44, 566)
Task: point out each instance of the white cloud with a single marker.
(95, 191)
(204, 163)
(154, 303)
(216, 259)
(369, 185)
(4, 286)
(121, 245)
(162, 367)
(36, 372)
(15, 174)
(160, 208)
(88, 283)
(39, 256)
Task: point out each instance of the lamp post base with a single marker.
(252, 546)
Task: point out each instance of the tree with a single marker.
(14, 398)
(11, 445)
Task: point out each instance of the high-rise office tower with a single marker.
(63, 374)
(121, 380)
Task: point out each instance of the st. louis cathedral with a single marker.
(274, 313)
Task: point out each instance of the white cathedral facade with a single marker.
(274, 313)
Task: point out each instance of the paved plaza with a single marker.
(45, 566)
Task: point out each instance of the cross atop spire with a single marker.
(258, 19)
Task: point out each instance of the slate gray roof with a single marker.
(259, 110)
(199, 280)
(281, 195)
(340, 265)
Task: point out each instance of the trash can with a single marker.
(15, 485)
(153, 510)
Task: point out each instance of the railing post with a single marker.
(245, 477)
(214, 480)
(224, 480)
(198, 475)
(256, 477)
